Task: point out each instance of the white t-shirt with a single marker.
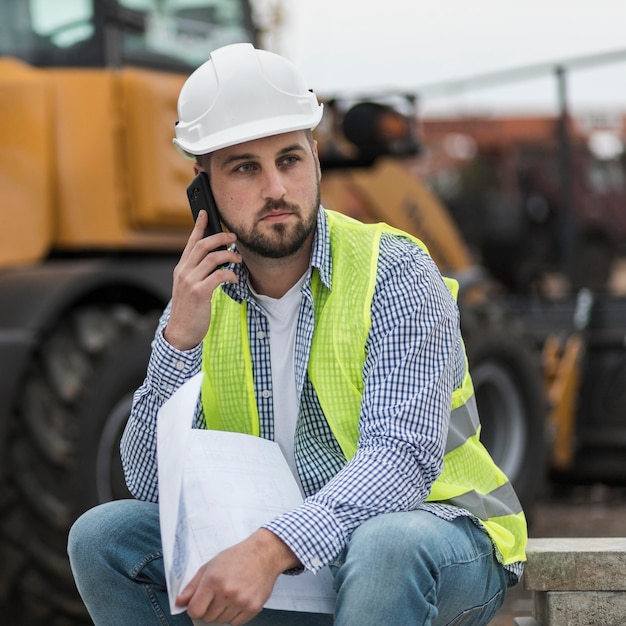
(282, 316)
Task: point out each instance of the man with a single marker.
(347, 339)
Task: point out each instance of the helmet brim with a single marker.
(249, 132)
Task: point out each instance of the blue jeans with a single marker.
(400, 569)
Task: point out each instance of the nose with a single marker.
(273, 184)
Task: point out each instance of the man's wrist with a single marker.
(178, 341)
(278, 553)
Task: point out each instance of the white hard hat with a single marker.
(241, 94)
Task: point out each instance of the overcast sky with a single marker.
(356, 45)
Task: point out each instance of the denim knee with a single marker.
(100, 534)
(400, 568)
(83, 536)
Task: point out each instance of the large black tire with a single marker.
(511, 403)
(63, 455)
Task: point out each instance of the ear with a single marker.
(317, 159)
(197, 169)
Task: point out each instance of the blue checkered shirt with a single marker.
(414, 360)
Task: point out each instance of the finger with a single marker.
(207, 612)
(197, 264)
(219, 277)
(200, 606)
(217, 263)
(183, 598)
(196, 234)
(209, 247)
(243, 617)
(218, 250)
(227, 615)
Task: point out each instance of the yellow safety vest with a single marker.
(469, 479)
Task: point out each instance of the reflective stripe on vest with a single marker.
(469, 479)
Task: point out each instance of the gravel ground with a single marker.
(589, 511)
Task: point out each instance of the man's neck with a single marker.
(275, 277)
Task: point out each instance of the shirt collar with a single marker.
(320, 259)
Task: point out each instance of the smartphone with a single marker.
(201, 197)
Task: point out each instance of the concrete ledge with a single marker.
(576, 608)
(576, 564)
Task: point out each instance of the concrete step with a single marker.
(576, 564)
(576, 581)
(580, 608)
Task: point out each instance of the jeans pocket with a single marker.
(479, 615)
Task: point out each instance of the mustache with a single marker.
(278, 205)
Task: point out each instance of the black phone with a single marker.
(201, 197)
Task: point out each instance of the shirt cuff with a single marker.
(313, 534)
(169, 368)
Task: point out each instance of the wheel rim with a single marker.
(110, 482)
(502, 417)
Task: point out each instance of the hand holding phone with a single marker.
(191, 308)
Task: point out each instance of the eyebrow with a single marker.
(250, 156)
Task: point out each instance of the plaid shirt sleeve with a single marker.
(168, 369)
(411, 369)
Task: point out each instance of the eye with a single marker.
(288, 160)
(245, 168)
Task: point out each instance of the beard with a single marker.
(282, 240)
